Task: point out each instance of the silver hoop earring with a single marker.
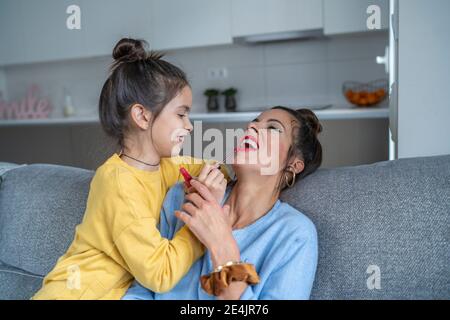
(291, 183)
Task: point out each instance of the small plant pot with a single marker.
(230, 103)
(212, 104)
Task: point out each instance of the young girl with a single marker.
(144, 104)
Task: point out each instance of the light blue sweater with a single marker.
(282, 245)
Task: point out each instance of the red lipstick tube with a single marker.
(187, 177)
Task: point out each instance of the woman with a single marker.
(253, 224)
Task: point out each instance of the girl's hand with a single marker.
(210, 224)
(214, 180)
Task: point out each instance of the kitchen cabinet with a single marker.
(32, 31)
(36, 31)
(193, 23)
(106, 22)
(350, 16)
(253, 17)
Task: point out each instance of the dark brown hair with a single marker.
(136, 77)
(306, 144)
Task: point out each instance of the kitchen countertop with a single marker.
(334, 113)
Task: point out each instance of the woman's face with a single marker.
(172, 124)
(266, 142)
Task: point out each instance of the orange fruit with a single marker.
(363, 101)
(364, 94)
(372, 99)
(349, 94)
(380, 93)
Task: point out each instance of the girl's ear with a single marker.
(140, 116)
(297, 165)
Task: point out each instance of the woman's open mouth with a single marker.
(248, 143)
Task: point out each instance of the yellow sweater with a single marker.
(118, 239)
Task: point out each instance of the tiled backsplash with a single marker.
(290, 73)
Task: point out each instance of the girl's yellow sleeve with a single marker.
(156, 263)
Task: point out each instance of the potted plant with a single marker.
(212, 103)
(230, 100)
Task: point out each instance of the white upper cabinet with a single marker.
(36, 31)
(32, 31)
(349, 16)
(253, 17)
(107, 21)
(190, 23)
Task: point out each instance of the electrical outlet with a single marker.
(223, 73)
(212, 73)
(217, 73)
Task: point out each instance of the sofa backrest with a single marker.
(388, 221)
(40, 206)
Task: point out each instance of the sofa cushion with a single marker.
(40, 205)
(390, 219)
(17, 284)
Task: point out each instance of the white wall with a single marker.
(292, 73)
(424, 78)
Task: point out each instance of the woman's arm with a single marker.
(228, 251)
(234, 291)
(209, 222)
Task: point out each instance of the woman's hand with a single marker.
(210, 224)
(214, 180)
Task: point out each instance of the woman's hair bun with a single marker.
(130, 50)
(311, 120)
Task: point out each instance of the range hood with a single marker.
(279, 36)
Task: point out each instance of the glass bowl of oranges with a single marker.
(365, 94)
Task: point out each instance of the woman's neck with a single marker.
(250, 200)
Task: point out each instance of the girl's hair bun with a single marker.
(130, 50)
(311, 120)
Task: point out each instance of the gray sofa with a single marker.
(383, 229)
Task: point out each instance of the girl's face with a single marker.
(266, 142)
(172, 124)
